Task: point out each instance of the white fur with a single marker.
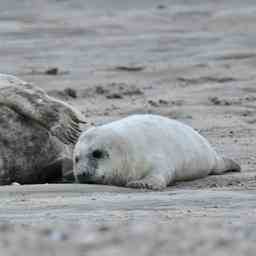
(145, 151)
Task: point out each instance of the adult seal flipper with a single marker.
(61, 119)
(28, 119)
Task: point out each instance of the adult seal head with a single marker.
(145, 151)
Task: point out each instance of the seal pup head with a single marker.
(99, 157)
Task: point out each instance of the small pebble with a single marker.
(52, 71)
(114, 96)
(71, 92)
(161, 6)
(100, 90)
(153, 103)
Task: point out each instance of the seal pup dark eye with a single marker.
(97, 154)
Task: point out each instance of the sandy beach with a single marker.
(193, 61)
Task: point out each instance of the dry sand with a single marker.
(189, 60)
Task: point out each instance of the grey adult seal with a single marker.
(145, 151)
(34, 129)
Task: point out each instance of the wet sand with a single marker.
(37, 205)
(189, 60)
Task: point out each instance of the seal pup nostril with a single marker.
(76, 159)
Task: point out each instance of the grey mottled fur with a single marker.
(34, 129)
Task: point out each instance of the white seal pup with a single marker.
(145, 151)
(33, 130)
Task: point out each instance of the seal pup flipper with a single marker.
(61, 119)
(226, 165)
(150, 182)
(155, 180)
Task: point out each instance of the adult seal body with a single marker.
(145, 151)
(35, 131)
